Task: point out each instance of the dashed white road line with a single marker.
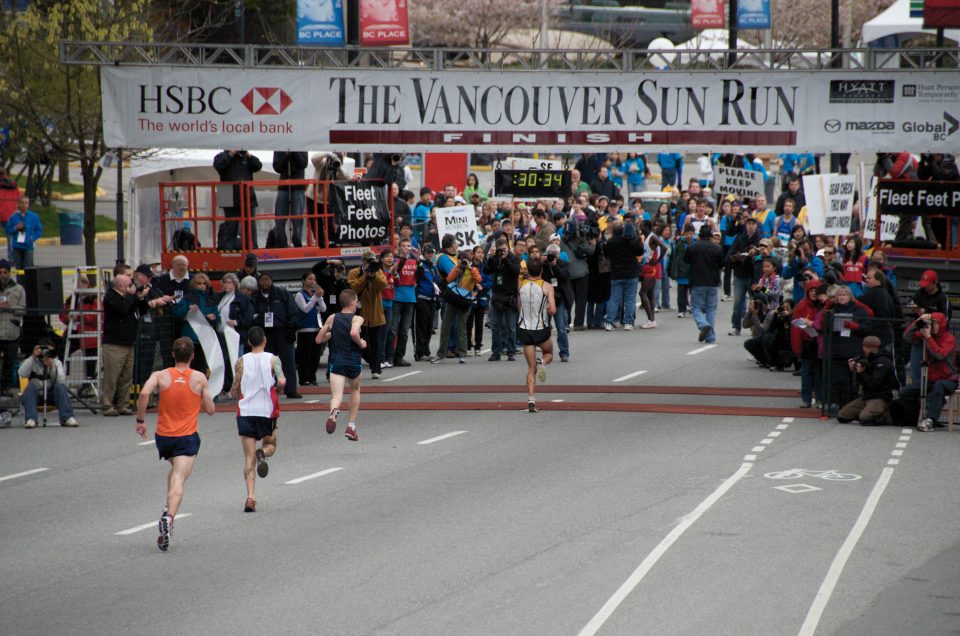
(24, 473)
(558, 400)
(440, 438)
(647, 564)
(149, 442)
(812, 620)
(701, 349)
(311, 401)
(787, 420)
(623, 378)
(152, 524)
(401, 376)
(300, 480)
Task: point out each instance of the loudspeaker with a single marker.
(44, 287)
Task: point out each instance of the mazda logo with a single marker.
(831, 125)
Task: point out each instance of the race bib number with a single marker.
(178, 295)
(333, 299)
(268, 320)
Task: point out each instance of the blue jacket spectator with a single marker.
(671, 168)
(23, 230)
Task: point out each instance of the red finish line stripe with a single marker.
(608, 407)
(568, 388)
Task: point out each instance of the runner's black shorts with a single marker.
(532, 337)
(256, 427)
(169, 447)
(348, 371)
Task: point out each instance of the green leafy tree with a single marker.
(60, 104)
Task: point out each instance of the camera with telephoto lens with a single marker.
(48, 352)
(395, 158)
(373, 267)
(922, 324)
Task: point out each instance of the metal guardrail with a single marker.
(435, 59)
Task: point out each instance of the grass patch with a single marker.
(62, 188)
(50, 217)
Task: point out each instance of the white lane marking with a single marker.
(701, 349)
(440, 438)
(311, 401)
(782, 427)
(774, 434)
(152, 524)
(147, 443)
(787, 420)
(750, 458)
(767, 441)
(485, 351)
(647, 564)
(906, 431)
(904, 438)
(24, 473)
(558, 400)
(401, 376)
(896, 453)
(893, 462)
(630, 375)
(300, 480)
(901, 444)
(840, 560)
(757, 449)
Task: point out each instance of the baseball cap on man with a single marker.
(145, 270)
(766, 243)
(929, 277)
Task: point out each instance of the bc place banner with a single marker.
(464, 111)
(384, 22)
(320, 22)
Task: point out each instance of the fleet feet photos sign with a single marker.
(400, 109)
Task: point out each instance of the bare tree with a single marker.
(470, 23)
(806, 23)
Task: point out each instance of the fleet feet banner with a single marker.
(361, 213)
(409, 110)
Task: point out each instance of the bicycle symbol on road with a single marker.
(796, 473)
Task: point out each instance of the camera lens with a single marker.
(335, 165)
(396, 157)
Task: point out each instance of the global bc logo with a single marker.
(939, 131)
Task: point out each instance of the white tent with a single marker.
(712, 39)
(144, 240)
(896, 21)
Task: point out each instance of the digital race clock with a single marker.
(532, 184)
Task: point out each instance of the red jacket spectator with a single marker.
(941, 347)
(89, 305)
(9, 197)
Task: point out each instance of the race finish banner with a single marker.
(919, 198)
(547, 111)
(829, 203)
(360, 212)
(739, 182)
(461, 221)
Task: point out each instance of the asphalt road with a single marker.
(562, 522)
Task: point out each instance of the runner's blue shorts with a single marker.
(169, 447)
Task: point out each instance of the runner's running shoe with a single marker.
(351, 434)
(541, 371)
(332, 421)
(532, 406)
(166, 525)
(250, 505)
(262, 467)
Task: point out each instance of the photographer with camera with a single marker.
(45, 378)
(557, 273)
(368, 281)
(503, 266)
(740, 255)
(579, 242)
(458, 289)
(878, 380)
(938, 354)
(237, 165)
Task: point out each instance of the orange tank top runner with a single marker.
(179, 406)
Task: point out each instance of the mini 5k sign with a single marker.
(460, 221)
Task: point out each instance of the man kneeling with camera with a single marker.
(877, 378)
(47, 380)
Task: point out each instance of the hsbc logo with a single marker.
(266, 101)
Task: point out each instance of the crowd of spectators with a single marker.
(822, 307)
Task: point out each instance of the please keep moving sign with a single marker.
(461, 221)
(361, 212)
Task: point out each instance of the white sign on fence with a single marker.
(461, 221)
(829, 203)
(407, 109)
(739, 182)
(526, 163)
(888, 222)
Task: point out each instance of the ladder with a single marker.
(84, 322)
